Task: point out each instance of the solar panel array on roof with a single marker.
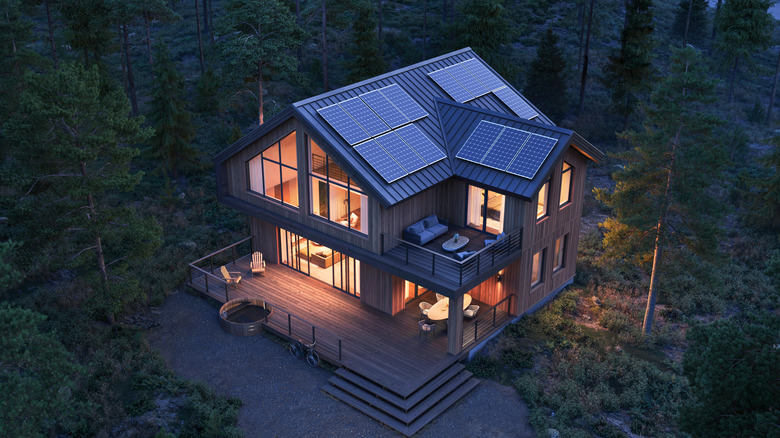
(401, 152)
(485, 76)
(423, 145)
(408, 148)
(384, 108)
(343, 124)
(363, 115)
(408, 107)
(466, 80)
(515, 103)
(507, 149)
(381, 161)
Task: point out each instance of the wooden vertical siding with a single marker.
(265, 239)
(376, 288)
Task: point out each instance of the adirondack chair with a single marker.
(258, 264)
(233, 281)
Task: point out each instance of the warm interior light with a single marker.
(499, 275)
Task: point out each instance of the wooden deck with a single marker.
(386, 349)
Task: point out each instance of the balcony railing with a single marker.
(445, 266)
(486, 321)
(204, 267)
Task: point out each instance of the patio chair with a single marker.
(258, 264)
(471, 311)
(424, 307)
(229, 279)
(440, 297)
(500, 236)
(426, 328)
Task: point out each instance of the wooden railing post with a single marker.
(433, 265)
(211, 261)
(494, 316)
(339, 349)
(289, 325)
(313, 338)
(206, 278)
(234, 254)
(476, 326)
(190, 273)
(227, 298)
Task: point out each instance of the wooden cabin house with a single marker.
(363, 190)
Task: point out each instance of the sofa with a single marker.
(426, 230)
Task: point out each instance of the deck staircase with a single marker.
(406, 414)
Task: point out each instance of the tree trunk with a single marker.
(200, 39)
(774, 89)
(260, 91)
(444, 9)
(380, 24)
(687, 23)
(324, 48)
(581, 20)
(206, 27)
(732, 79)
(122, 56)
(299, 51)
(51, 36)
(130, 80)
(425, 22)
(148, 38)
(714, 26)
(585, 59)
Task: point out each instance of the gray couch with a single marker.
(426, 230)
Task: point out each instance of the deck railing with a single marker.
(445, 266)
(328, 343)
(204, 266)
(486, 321)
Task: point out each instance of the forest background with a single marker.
(114, 109)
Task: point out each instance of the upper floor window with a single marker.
(485, 210)
(560, 253)
(541, 201)
(274, 172)
(537, 265)
(334, 195)
(566, 174)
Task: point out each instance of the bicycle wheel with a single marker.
(313, 359)
(296, 349)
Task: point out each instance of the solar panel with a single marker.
(343, 124)
(531, 156)
(381, 161)
(401, 152)
(450, 85)
(467, 80)
(515, 103)
(384, 108)
(420, 142)
(366, 118)
(505, 148)
(483, 74)
(480, 141)
(405, 104)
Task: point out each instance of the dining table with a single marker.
(441, 310)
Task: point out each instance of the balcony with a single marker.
(431, 261)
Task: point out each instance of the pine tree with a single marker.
(691, 23)
(663, 195)
(546, 82)
(88, 24)
(366, 61)
(764, 208)
(68, 139)
(150, 11)
(169, 117)
(257, 38)
(483, 25)
(629, 69)
(744, 27)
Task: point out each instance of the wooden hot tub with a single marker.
(244, 316)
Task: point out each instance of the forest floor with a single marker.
(282, 396)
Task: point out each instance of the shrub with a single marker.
(483, 366)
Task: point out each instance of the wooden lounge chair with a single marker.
(233, 281)
(258, 264)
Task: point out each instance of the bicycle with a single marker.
(299, 350)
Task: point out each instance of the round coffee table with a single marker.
(452, 245)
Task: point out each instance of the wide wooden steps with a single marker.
(404, 414)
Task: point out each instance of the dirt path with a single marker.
(282, 396)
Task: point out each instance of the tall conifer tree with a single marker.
(366, 60)
(484, 26)
(546, 83)
(690, 23)
(663, 196)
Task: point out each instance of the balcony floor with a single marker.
(386, 349)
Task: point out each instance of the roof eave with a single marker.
(254, 135)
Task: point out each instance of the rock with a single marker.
(189, 245)
(553, 433)
(595, 301)
(181, 195)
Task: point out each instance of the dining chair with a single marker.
(426, 328)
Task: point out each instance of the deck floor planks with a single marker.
(387, 349)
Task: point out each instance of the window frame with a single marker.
(540, 264)
(349, 187)
(260, 155)
(484, 208)
(570, 172)
(546, 213)
(559, 253)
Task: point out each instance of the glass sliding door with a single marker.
(485, 210)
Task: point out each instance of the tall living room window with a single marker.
(566, 173)
(274, 172)
(335, 196)
(485, 210)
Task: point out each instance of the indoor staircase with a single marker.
(404, 414)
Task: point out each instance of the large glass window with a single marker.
(318, 261)
(485, 210)
(274, 172)
(537, 263)
(541, 201)
(566, 174)
(335, 196)
(560, 253)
